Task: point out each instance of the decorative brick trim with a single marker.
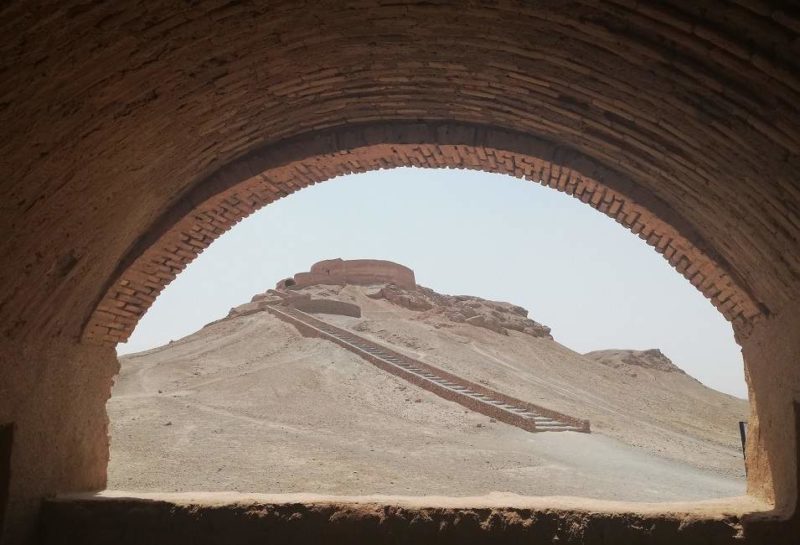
(218, 203)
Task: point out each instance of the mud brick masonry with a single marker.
(353, 271)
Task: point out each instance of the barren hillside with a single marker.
(248, 403)
(662, 410)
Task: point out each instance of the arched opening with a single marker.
(219, 202)
(319, 227)
(234, 192)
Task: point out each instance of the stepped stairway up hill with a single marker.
(446, 385)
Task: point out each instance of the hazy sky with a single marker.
(593, 282)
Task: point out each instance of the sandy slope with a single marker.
(248, 404)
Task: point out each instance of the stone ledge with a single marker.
(204, 518)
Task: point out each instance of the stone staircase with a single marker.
(473, 396)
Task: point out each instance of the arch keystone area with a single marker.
(219, 202)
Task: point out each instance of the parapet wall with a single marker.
(354, 271)
(299, 301)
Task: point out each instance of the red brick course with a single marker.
(186, 232)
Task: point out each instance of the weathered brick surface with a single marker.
(183, 237)
(117, 113)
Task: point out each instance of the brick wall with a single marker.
(188, 232)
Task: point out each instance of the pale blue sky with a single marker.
(593, 282)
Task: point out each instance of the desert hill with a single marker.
(652, 359)
(248, 403)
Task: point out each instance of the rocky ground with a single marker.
(248, 404)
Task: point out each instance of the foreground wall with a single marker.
(235, 519)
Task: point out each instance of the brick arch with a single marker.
(220, 201)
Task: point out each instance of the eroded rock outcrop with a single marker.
(496, 316)
(648, 359)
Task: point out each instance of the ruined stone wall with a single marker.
(300, 301)
(356, 271)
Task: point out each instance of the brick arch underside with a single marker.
(217, 203)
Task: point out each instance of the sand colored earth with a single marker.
(248, 404)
